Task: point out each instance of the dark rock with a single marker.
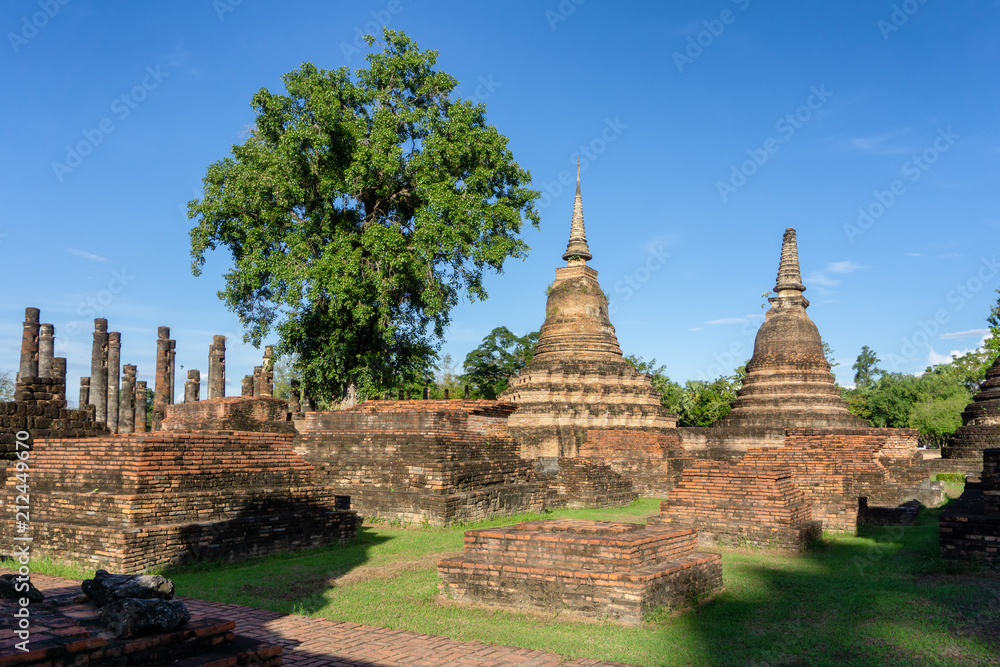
(9, 589)
(106, 587)
(132, 617)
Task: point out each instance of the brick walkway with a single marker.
(318, 642)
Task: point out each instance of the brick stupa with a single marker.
(788, 382)
(578, 379)
(980, 428)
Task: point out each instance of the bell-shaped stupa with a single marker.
(788, 382)
(980, 427)
(577, 379)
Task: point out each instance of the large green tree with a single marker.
(358, 212)
(866, 369)
(500, 356)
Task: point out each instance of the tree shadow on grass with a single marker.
(294, 582)
(884, 597)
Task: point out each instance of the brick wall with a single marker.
(652, 460)
(834, 467)
(127, 503)
(412, 461)
(233, 413)
(751, 504)
(969, 528)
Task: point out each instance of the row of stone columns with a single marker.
(37, 349)
(111, 390)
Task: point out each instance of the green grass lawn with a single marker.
(883, 598)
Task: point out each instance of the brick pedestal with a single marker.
(620, 571)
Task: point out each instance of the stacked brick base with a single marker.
(741, 505)
(128, 503)
(970, 527)
(619, 571)
(438, 462)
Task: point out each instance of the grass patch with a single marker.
(881, 598)
(957, 477)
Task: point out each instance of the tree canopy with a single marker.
(500, 356)
(358, 212)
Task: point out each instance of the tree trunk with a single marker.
(350, 397)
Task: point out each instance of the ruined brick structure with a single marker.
(618, 571)
(114, 366)
(99, 371)
(577, 379)
(217, 367)
(970, 527)
(165, 366)
(235, 413)
(438, 462)
(131, 502)
(788, 382)
(980, 427)
(192, 387)
(743, 504)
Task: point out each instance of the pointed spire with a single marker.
(577, 246)
(789, 276)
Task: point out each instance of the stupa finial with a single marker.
(789, 277)
(577, 250)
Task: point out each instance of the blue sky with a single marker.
(705, 129)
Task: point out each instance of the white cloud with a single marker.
(880, 144)
(977, 333)
(933, 358)
(695, 329)
(822, 279)
(729, 320)
(914, 254)
(86, 255)
(844, 267)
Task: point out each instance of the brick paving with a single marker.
(319, 642)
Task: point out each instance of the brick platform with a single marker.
(834, 467)
(260, 414)
(66, 630)
(318, 642)
(743, 504)
(436, 461)
(970, 527)
(127, 503)
(620, 571)
(651, 459)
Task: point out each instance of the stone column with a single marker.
(267, 372)
(140, 406)
(217, 367)
(58, 373)
(46, 348)
(114, 375)
(164, 388)
(258, 380)
(126, 422)
(29, 346)
(247, 385)
(84, 392)
(192, 388)
(99, 371)
(294, 402)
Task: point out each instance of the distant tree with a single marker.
(891, 399)
(283, 374)
(671, 393)
(866, 369)
(6, 385)
(500, 356)
(703, 403)
(828, 354)
(358, 212)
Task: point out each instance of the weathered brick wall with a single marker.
(413, 461)
(726, 443)
(127, 503)
(970, 527)
(741, 504)
(39, 409)
(615, 571)
(587, 483)
(834, 467)
(235, 413)
(652, 460)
